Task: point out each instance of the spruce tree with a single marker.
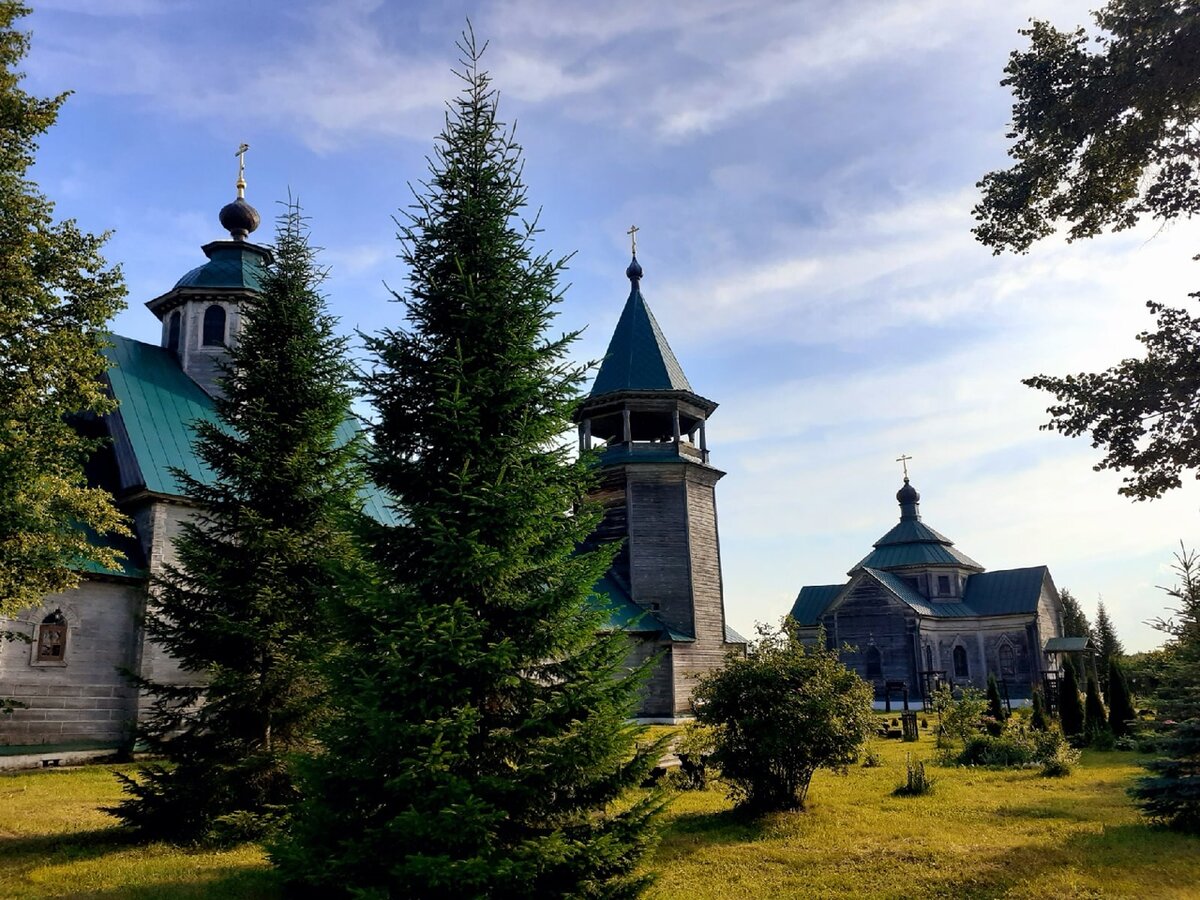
(1074, 620)
(484, 746)
(996, 707)
(1170, 793)
(1108, 645)
(1094, 714)
(1038, 720)
(56, 296)
(1070, 707)
(243, 609)
(1120, 703)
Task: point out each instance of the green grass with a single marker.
(981, 833)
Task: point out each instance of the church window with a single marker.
(928, 658)
(911, 581)
(173, 331)
(1008, 660)
(52, 638)
(874, 663)
(960, 662)
(943, 584)
(214, 326)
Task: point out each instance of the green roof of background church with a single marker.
(231, 264)
(158, 404)
(911, 542)
(639, 357)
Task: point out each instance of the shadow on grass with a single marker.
(728, 826)
(228, 882)
(69, 847)
(1137, 854)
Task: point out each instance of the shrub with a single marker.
(872, 759)
(1061, 763)
(783, 711)
(1120, 704)
(694, 749)
(996, 708)
(1013, 748)
(1070, 709)
(961, 716)
(1095, 726)
(916, 782)
(1039, 721)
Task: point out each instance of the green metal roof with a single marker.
(897, 556)
(812, 601)
(158, 404)
(1006, 591)
(231, 264)
(639, 357)
(132, 564)
(626, 615)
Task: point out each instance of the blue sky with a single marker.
(802, 175)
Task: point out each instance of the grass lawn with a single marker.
(980, 834)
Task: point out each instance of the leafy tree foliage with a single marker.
(484, 744)
(1120, 701)
(961, 717)
(782, 712)
(1108, 645)
(1171, 792)
(56, 296)
(1146, 672)
(1070, 706)
(1101, 136)
(243, 607)
(1104, 135)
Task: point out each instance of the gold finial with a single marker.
(903, 460)
(632, 232)
(241, 182)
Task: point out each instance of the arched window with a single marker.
(874, 663)
(52, 638)
(928, 658)
(173, 331)
(214, 326)
(960, 662)
(1008, 660)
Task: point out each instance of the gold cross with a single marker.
(632, 232)
(903, 460)
(241, 182)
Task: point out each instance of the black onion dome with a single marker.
(239, 218)
(634, 272)
(908, 494)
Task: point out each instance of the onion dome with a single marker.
(239, 218)
(907, 494)
(634, 272)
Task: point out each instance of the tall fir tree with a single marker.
(484, 746)
(1120, 701)
(56, 298)
(243, 609)
(1070, 706)
(1108, 645)
(1095, 716)
(1074, 620)
(1038, 721)
(1170, 793)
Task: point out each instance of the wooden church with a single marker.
(658, 491)
(917, 612)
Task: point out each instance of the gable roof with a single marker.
(152, 427)
(1001, 593)
(639, 357)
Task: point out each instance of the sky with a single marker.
(802, 175)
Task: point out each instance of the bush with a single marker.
(1039, 721)
(694, 748)
(961, 717)
(1013, 748)
(1061, 763)
(872, 759)
(916, 782)
(782, 712)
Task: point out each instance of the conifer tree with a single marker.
(56, 297)
(484, 745)
(1038, 720)
(1094, 714)
(1074, 619)
(1108, 645)
(996, 707)
(243, 607)
(1170, 793)
(1070, 707)
(1120, 702)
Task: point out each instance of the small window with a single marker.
(173, 331)
(960, 663)
(1008, 660)
(943, 584)
(928, 658)
(214, 326)
(911, 581)
(52, 638)
(874, 663)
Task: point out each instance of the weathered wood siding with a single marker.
(705, 551)
(660, 566)
(870, 617)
